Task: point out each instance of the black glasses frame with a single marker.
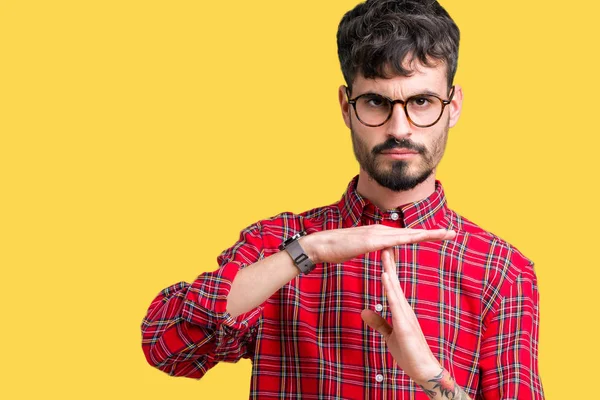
(404, 105)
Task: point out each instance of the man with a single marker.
(387, 293)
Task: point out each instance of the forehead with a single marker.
(422, 79)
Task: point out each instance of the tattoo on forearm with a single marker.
(448, 389)
(430, 393)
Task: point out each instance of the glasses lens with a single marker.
(424, 109)
(372, 109)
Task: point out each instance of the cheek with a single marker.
(438, 146)
(434, 142)
(368, 139)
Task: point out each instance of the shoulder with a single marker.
(488, 259)
(479, 242)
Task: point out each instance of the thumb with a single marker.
(376, 322)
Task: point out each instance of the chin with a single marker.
(403, 181)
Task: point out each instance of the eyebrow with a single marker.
(425, 92)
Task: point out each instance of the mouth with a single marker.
(399, 153)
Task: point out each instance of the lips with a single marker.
(399, 148)
(399, 152)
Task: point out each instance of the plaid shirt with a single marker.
(475, 297)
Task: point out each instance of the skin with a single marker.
(432, 139)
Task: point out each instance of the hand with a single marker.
(339, 245)
(404, 337)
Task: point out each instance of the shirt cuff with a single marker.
(206, 303)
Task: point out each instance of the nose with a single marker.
(398, 126)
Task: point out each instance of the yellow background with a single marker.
(139, 137)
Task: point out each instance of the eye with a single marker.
(374, 101)
(421, 101)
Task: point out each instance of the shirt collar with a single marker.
(423, 214)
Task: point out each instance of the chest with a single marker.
(315, 320)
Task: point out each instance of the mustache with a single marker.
(391, 143)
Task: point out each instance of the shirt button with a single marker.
(379, 378)
(378, 307)
(394, 216)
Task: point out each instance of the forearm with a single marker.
(254, 284)
(442, 386)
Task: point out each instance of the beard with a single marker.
(401, 175)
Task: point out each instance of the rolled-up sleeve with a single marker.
(187, 329)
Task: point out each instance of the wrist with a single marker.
(301, 259)
(442, 385)
(308, 244)
(426, 376)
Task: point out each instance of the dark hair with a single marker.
(376, 37)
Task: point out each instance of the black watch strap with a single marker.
(301, 259)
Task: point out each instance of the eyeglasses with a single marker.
(422, 110)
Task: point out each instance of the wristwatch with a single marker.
(301, 259)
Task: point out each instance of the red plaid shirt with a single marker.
(476, 299)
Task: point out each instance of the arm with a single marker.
(406, 342)
(255, 284)
(509, 347)
(189, 328)
(508, 363)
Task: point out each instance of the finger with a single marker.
(379, 237)
(376, 322)
(403, 316)
(389, 261)
(394, 275)
(394, 285)
(387, 230)
(411, 231)
(390, 268)
(417, 236)
(399, 306)
(390, 293)
(384, 259)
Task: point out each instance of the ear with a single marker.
(344, 105)
(455, 105)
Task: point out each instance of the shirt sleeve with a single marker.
(187, 329)
(509, 348)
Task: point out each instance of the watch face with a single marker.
(298, 235)
(291, 239)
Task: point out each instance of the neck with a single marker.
(386, 199)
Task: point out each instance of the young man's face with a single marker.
(399, 155)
